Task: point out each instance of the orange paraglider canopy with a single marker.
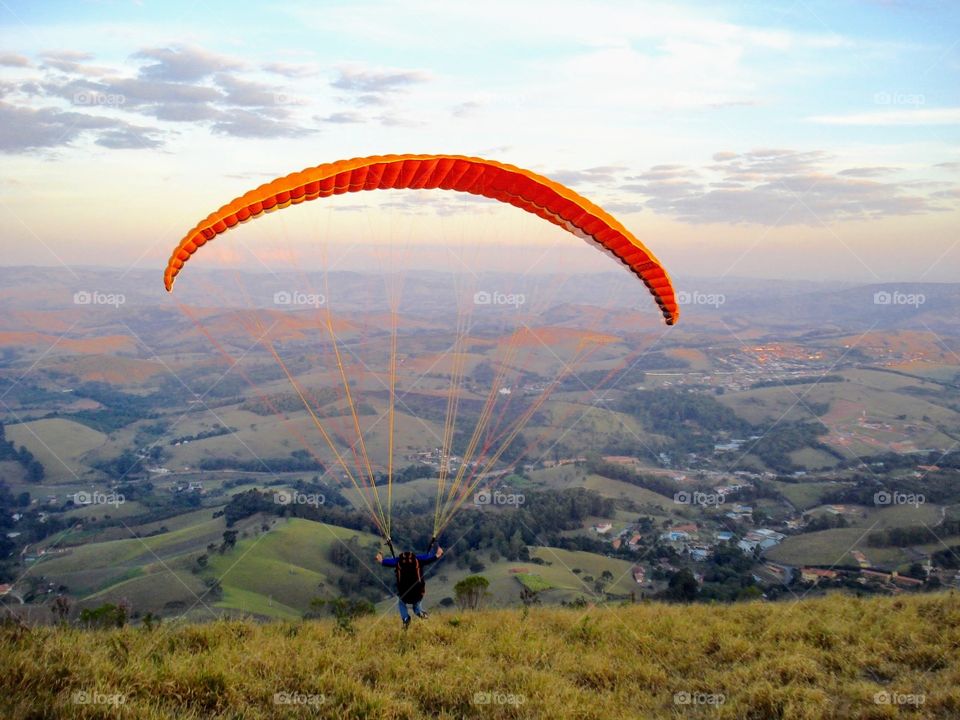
(506, 183)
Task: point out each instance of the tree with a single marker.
(516, 547)
(229, 540)
(343, 609)
(683, 586)
(471, 592)
(105, 616)
(916, 571)
(61, 608)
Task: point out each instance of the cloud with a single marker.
(65, 60)
(348, 117)
(375, 86)
(291, 70)
(665, 172)
(250, 94)
(624, 207)
(13, 60)
(133, 92)
(951, 194)
(466, 109)
(732, 103)
(776, 186)
(601, 175)
(129, 138)
(938, 116)
(176, 85)
(397, 121)
(184, 112)
(183, 63)
(868, 172)
(247, 124)
(25, 129)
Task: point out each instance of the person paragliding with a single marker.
(502, 182)
(411, 587)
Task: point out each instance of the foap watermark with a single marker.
(288, 697)
(883, 297)
(892, 497)
(99, 498)
(483, 297)
(496, 497)
(295, 297)
(95, 297)
(93, 97)
(282, 98)
(85, 697)
(892, 697)
(686, 697)
(698, 497)
(494, 697)
(885, 97)
(695, 297)
(294, 497)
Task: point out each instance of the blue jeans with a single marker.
(404, 613)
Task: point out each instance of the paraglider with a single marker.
(408, 568)
(505, 183)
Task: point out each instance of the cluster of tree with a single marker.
(119, 409)
(775, 445)
(215, 431)
(105, 616)
(299, 461)
(689, 419)
(541, 520)
(941, 487)
(355, 560)
(913, 534)
(904, 461)
(290, 402)
(243, 505)
(8, 506)
(824, 522)
(616, 471)
(808, 380)
(34, 468)
(331, 495)
(126, 464)
(728, 576)
(948, 558)
(344, 609)
(416, 471)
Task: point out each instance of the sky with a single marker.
(805, 139)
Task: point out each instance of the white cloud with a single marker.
(925, 116)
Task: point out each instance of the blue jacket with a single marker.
(425, 559)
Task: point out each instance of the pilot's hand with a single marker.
(379, 557)
(439, 551)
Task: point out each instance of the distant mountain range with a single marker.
(790, 305)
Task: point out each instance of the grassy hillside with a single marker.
(834, 657)
(290, 562)
(57, 443)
